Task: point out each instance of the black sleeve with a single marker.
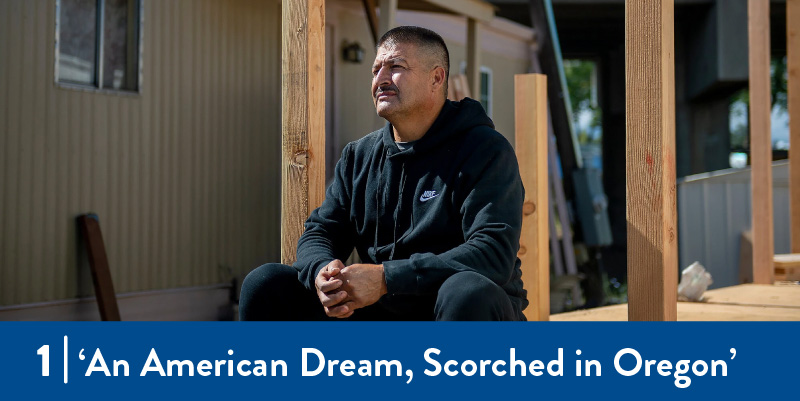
(329, 232)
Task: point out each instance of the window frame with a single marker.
(97, 86)
(489, 98)
(489, 86)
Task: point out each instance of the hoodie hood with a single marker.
(454, 119)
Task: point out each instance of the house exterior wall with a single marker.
(354, 111)
(183, 175)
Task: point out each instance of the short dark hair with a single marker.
(423, 38)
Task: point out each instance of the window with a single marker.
(98, 43)
(486, 89)
(485, 95)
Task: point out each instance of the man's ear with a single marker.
(438, 78)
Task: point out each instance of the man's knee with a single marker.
(267, 277)
(472, 296)
(265, 285)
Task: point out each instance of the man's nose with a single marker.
(383, 77)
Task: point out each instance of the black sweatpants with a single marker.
(273, 292)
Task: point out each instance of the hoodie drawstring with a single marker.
(378, 202)
(399, 208)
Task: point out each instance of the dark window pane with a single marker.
(77, 38)
(120, 42)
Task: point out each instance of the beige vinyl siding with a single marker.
(184, 175)
(355, 110)
(503, 70)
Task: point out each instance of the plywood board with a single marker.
(690, 312)
(757, 295)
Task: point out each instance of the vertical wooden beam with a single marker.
(793, 91)
(650, 160)
(760, 141)
(303, 118)
(474, 57)
(372, 19)
(530, 120)
(388, 16)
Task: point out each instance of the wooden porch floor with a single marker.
(746, 302)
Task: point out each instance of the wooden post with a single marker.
(530, 120)
(793, 89)
(388, 16)
(474, 57)
(303, 118)
(372, 19)
(760, 141)
(650, 160)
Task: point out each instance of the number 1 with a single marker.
(44, 351)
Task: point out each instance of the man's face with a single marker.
(400, 80)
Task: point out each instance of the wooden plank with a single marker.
(101, 274)
(756, 295)
(760, 141)
(530, 119)
(793, 92)
(474, 57)
(613, 313)
(388, 17)
(303, 118)
(372, 18)
(690, 312)
(650, 160)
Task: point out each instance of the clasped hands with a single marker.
(342, 289)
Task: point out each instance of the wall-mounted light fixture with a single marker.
(353, 52)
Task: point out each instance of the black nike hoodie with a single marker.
(452, 202)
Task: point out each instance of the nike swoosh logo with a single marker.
(426, 197)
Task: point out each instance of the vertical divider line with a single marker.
(66, 367)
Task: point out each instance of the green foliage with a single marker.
(579, 74)
(740, 103)
(779, 78)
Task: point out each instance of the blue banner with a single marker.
(360, 360)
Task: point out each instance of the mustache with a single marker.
(379, 91)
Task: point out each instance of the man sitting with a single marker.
(432, 202)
